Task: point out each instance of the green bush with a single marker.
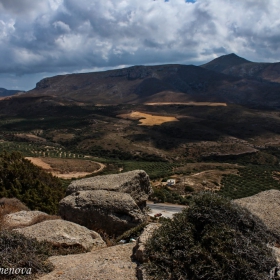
(33, 186)
(189, 189)
(165, 195)
(212, 239)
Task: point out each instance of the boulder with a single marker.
(108, 263)
(64, 233)
(22, 219)
(136, 183)
(265, 205)
(139, 249)
(110, 211)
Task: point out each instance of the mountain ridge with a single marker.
(6, 92)
(234, 65)
(159, 83)
(229, 79)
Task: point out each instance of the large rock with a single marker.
(136, 183)
(59, 232)
(113, 203)
(110, 211)
(22, 219)
(108, 263)
(266, 206)
(139, 249)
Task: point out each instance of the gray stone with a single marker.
(136, 183)
(21, 219)
(266, 206)
(59, 232)
(112, 263)
(139, 249)
(110, 211)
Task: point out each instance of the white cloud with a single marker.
(65, 36)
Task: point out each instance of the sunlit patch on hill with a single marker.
(148, 119)
(211, 104)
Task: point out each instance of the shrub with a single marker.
(17, 251)
(212, 239)
(33, 186)
(189, 189)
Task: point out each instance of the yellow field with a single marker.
(211, 104)
(148, 119)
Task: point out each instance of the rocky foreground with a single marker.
(112, 203)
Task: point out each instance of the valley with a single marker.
(173, 121)
(218, 140)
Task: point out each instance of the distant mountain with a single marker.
(162, 83)
(5, 92)
(239, 67)
(224, 62)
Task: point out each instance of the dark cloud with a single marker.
(48, 37)
(20, 7)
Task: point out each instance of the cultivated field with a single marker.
(67, 168)
(148, 119)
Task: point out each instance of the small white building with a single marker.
(171, 182)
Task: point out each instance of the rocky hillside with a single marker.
(5, 92)
(162, 83)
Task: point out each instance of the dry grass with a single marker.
(148, 119)
(30, 137)
(36, 220)
(8, 206)
(13, 205)
(63, 136)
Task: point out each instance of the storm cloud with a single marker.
(49, 37)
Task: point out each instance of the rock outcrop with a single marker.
(136, 183)
(265, 205)
(22, 219)
(64, 233)
(113, 203)
(108, 263)
(110, 211)
(139, 249)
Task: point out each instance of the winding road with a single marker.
(167, 210)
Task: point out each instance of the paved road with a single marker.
(167, 210)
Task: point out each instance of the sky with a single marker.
(43, 38)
